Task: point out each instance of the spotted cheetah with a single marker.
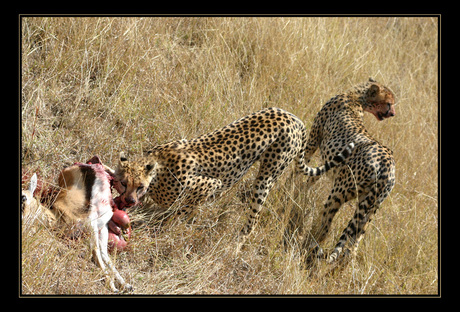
(189, 172)
(368, 173)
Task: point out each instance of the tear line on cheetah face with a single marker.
(132, 179)
(380, 102)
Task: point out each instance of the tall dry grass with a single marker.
(95, 85)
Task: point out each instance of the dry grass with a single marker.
(104, 85)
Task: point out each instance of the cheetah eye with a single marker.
(123, 184)
(140, 188)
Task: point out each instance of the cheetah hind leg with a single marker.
(252, 219)
(262, 187)
(356, 228)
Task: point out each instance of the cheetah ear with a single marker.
(123, 157)
(373, 90)
(151, 168)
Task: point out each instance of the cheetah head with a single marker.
(380, 101)
(132, 178)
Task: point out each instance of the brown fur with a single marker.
(72, 203)
(83, 203)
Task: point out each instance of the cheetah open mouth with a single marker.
(381, 116)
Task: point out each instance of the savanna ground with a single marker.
(95, 85)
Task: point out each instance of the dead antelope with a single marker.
(84, 202)
(33, 213)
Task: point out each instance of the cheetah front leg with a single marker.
(199, 189)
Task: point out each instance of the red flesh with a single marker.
(119, 229)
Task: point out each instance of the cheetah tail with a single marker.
(337, 160)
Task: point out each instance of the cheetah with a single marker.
(369, 172)
(189, 172)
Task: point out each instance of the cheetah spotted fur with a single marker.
(189, 172)
(369, 172)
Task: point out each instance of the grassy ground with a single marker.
(104, 85)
